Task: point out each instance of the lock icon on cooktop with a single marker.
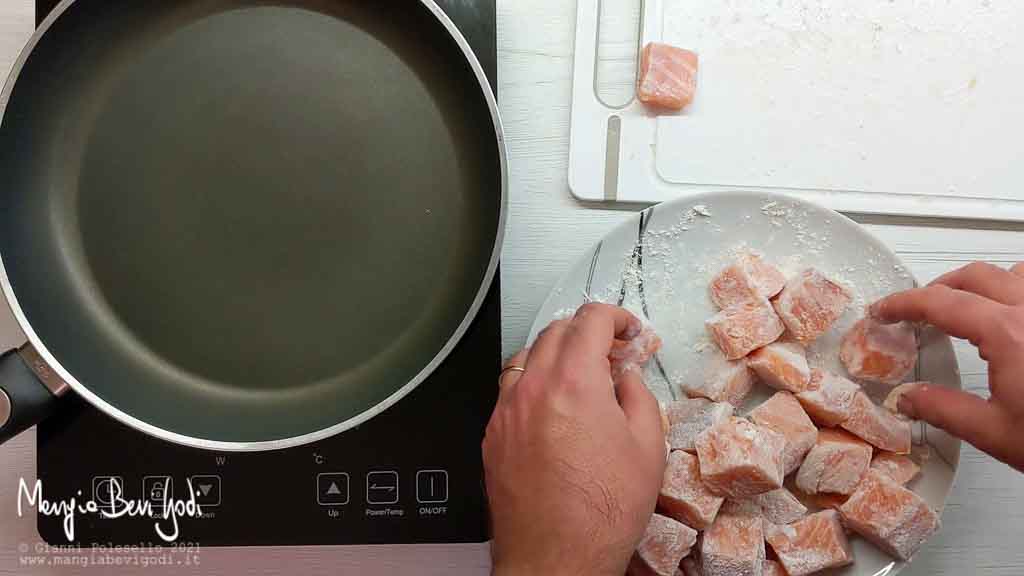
(156, 488)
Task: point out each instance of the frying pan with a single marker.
(243, 224)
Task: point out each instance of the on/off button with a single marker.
(432, 486)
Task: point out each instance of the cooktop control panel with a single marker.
(410, 475)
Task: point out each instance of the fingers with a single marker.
(955, 312)
(986, 280)
(642, 411)
(1018, 269)
(548, 347)
(964, 415)
(596, 327)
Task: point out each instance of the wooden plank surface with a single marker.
(547, 231)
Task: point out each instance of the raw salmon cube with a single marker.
(836, 464)
(823, 500)
(783, 414)
(741, 507)
(683, 495)
(812, 544)
(750, 278)
(782, 366)
(668, 76)
(665, 425)
(690, 566)
(664, 544)
(828, 398)
(633, 354)
(682, 410)
(778, 507)
(890, 516)
(698, 415)
(881, 428)
(637, 567)
(740, 459)
(892, 401)
(809, 305)
(878, 352)
(896, 466)
(745, 327)
(733, 546)
(773, 568)
(724, 381)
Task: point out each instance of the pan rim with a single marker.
(36, 342)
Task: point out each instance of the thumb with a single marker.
(641, 409)
(964, 415)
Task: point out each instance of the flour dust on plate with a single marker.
(660, 263)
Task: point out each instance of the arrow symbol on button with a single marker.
(333, 489)
(376, 487)
(205, 489)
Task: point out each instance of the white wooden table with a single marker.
(547, 231)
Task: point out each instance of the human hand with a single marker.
(984, 304)
(573, 471)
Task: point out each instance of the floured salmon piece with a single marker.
(782, 366)
(724, 381)
(668, 76)
(690, 566)
(828, 398)
(749, 279)
(892, 401)
(683, 496)
(878, 352)
(733, 546)
(637, 567)
(745, 327)
(809, 305)
(890, 516)
(678, 411)
(664, 544)
(836, 464)
(812, 544)
(879, 427)
(823, 501)
(783, 414)
(740, 459)
(741, 507)
(633, 354)
(665, 424)
(778, 507)
(689, 418)
(773, 568)
(896, 466)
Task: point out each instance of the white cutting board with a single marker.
(908, 107)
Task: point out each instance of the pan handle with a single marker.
(27, 395)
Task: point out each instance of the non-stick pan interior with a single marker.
(247, 220)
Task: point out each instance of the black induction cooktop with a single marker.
(410, 475)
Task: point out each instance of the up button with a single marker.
(332, 489)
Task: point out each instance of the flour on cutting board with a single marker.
(844, 94)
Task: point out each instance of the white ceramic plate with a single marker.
(660, 262)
